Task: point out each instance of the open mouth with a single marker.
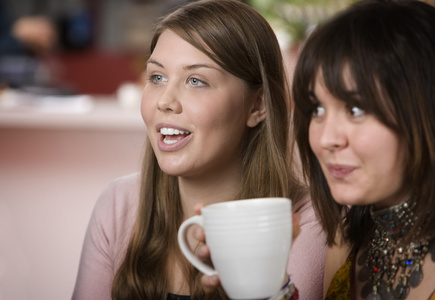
(172, 135)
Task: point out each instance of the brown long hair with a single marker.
(239, 40)
(389, 47)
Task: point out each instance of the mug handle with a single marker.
(188, 253)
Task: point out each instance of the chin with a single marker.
(178, 171)
(170, 169)
(342, 202)
(348, 200)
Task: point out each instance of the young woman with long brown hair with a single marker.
(216, 107)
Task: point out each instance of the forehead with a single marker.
(172, 47)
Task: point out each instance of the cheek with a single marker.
(382, 146)
(218, 113)
(390, 158)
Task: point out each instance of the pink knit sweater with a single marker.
(110, 227)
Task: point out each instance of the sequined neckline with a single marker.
(384, 259)
(396, 220)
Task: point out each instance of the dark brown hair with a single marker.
(239, 40)
(389, 47)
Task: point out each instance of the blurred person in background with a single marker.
(24, 42)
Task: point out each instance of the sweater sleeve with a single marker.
(106, 239)
(308, 253)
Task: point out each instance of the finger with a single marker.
(209, 283)
(203, 252)
(198, 234)
(198, 208)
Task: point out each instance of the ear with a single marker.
(257, 112)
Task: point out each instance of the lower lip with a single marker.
(340, 173)
(175, 146)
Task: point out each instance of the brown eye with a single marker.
(318, 111)
(356, 111)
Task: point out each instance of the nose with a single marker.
(333, 133)
(168, 100)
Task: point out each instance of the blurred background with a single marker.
(95, 46)
(70, 89)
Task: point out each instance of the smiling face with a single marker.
(196, 113)
(359, 156)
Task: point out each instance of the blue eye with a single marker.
(157, 78)
(195, 81)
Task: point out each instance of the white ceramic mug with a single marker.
(249, 242)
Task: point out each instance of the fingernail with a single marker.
(214, 279)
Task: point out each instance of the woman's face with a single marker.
(196, 113)
(360, 157)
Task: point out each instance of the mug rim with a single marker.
(246, 203)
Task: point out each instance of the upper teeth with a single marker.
(172, 131)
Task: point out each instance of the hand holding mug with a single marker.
(249, 242)
(209, 283)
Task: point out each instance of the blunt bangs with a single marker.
(362, 52)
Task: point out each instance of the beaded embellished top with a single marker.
(388, 268)
(343, 283)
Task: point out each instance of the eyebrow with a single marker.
(199, 66)
(155, 63)
(187, 67)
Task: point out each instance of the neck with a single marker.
(395, 220)
(204, 190)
